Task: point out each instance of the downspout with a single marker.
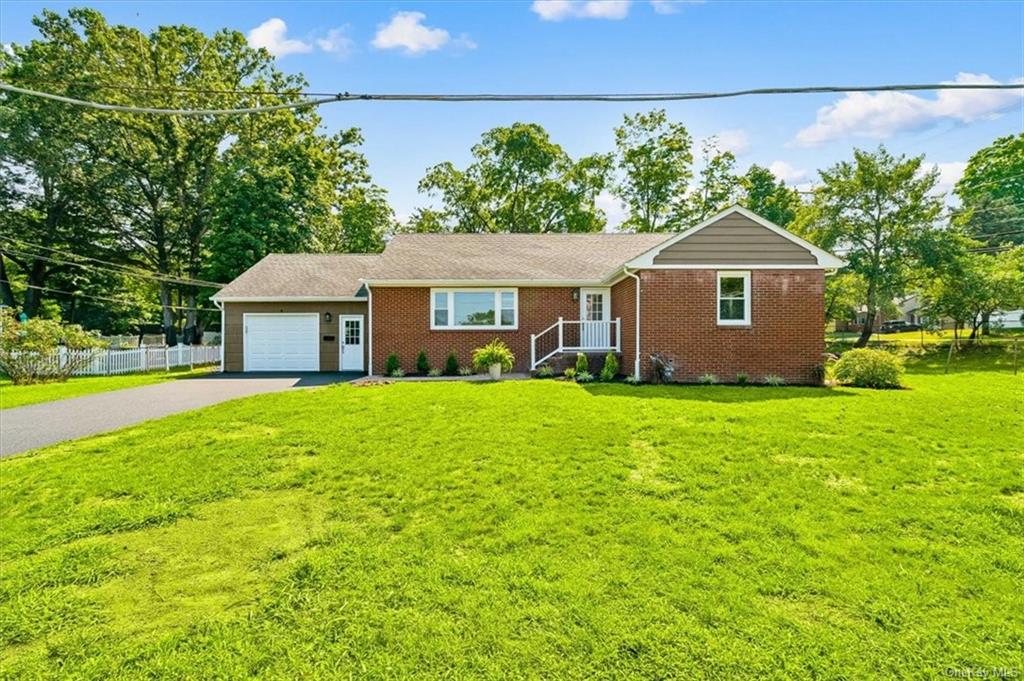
(636, 342)
(223, 334)
(369, 329)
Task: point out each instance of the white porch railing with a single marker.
(135, 360)
(575, 335)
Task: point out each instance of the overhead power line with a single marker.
(317, 99)
(122, 269)
(105, 298)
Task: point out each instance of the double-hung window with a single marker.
(474, 308)
(734, 298)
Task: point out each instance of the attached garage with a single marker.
(281, 342)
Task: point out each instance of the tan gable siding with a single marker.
(234, 351)
(735, 240)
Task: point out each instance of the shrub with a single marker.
(774, 380)
(610, 368)
(422, 365)
(866, 368)
(584, 377)
(30, 351)
(708, 379)
(465, 371)
(582, 363)
(397, 373)
(434, 372)
(545, 371)
(632, 379)
(742, 378)
(391, 364)
(570, 373)
(451, 365)
(495, 352)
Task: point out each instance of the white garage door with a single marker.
(282, 342)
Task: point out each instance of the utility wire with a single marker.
(126, 269)
(318, 100)
(105, 298)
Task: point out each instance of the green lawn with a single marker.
(530, 529)
(20, 395)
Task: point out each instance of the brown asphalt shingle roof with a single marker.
(469, 258)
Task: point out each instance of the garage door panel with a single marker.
(282, 342)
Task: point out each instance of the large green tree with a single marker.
(520, 181)
(654, 158)
(991, 193)
(716, 186)
(878, 210)
(769, 197)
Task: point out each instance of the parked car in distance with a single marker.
(897, 325)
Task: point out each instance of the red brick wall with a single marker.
(678, 319)
(624, 307)
(401, 325)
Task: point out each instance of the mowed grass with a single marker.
(12, 396)
(530, 529)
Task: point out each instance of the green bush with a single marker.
(866, 368)
(708, 379)
(611, 367)
(451, 365)
(435, 372)
(495, 352)
(465, 371)
(545, 371)
(742, 378)
(584, 377)
(582, 363)
(422, 365)
(29, 350)
(570, 373)
(774, 380)
(397, 373)
(391, 364)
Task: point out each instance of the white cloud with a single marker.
(671, 6)
(787, 173)
(406, 32)
(884, 114)
(557, 10)
(271, 34)
(613, 209)
(733, 140)
(949, 174)
(337, 41)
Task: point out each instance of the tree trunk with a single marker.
(170, 333)
(6, 293)
(985, 321)
(867, 330)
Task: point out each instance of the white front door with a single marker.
(595, 331)
(352, 342)
(281, 342)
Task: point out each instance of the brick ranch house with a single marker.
(733, 294)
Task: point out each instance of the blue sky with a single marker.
(636, 46)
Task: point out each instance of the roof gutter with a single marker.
(636, 323)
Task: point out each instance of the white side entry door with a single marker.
(352, 342)
(595, 331)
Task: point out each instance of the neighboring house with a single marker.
(734, 294)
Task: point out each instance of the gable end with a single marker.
(734, 240)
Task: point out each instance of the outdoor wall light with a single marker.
(576, 295)
(327, 317)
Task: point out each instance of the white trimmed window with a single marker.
(733, 298)
(474, 308)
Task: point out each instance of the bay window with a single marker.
(733, 298)
(474, 308)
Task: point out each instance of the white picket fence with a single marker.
(109, 362)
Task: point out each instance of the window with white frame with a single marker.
(734, 298)
(474, 308)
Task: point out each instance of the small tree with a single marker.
(610, 368)
(451, 365)
(30, 350)
(391, 364)
(422, 365)
(582, 362)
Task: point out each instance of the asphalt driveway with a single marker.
(38, 425)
